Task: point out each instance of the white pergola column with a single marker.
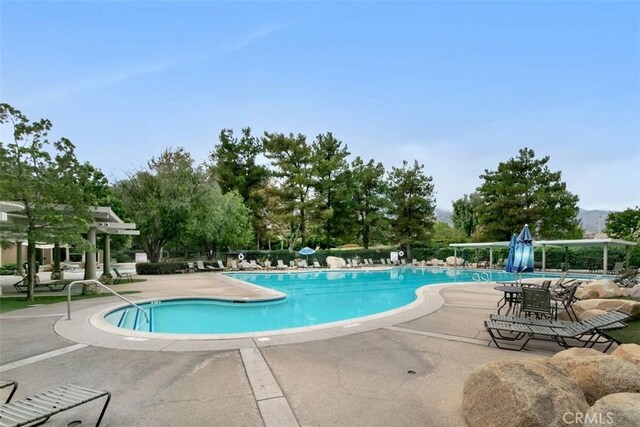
(490, 257)
(544, 258)
(455, 255)
(90, 257)
(605, 260)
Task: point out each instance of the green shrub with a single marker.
(160, 267)
(7, 269)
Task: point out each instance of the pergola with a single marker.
(605, 243)
(106, 222)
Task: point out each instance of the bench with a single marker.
(42, 406)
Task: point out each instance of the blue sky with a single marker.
(459, 86)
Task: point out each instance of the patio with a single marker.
(406, 373)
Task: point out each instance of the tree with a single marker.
(444, 234)
(218, 221)
(369, 197)
(465, 216)
(235, 167)
(291, 160)
(524, 191)
(332, 196)
(412, 204)
(160, 199)
(49, 184)
(624, 225)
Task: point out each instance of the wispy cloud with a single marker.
(113, 77)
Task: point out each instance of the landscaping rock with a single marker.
(451, 261)
(435, 262)
(335, 262)
(603, 288)
(627, 306)
(598, 376)
(520, 393)
(629, 352)
(635, 292)
(575, 352)
(618, 409)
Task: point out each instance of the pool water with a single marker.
(312, 298)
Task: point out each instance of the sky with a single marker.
(458, 86)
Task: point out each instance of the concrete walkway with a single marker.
(408, 373)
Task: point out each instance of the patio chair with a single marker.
(202, 267)
(303, 264)
(37, 409)
(383, 261)
(234, 265)
(617, 268)
(221, 265)
(267, 264)
(292, 264)
(587, 333)
(13, 385)
(121, 276)
(316, 264)
(21, 285)
(566, 298)
(536, 301)
(281, 265)
(254, 265)
(371, 262)
(403, 262)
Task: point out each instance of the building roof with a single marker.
(562, 243)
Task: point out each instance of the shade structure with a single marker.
(306, 251)
(512, 252)
(523, 254)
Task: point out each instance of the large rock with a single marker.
(629, 352)
(453, 261)
(575, 352)
(627, 306)
(335, 262)
(603, 288)
(520, 393)
(598, 376)
(618, 409)
(635, 292)
(435, 262)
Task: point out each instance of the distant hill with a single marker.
(592, 221)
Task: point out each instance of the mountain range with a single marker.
(592, 220)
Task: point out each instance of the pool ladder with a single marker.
(481, 277)
(102, 285)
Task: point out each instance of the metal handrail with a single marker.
(70, 285)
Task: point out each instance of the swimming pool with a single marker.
(312, 298)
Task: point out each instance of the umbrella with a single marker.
(523, 254)
(306, 251)
(512, 251)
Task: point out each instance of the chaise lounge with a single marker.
(37, 409)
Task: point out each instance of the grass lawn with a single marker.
(628, 335)
(16, 303)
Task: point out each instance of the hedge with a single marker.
(160, 267)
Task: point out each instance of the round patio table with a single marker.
(512, 297)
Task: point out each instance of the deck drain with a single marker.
(411, 372)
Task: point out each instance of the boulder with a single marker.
(598, 376)
(603, 288)
(629, 352)
(335, 262)
(520, 393)
(635, 292)
(435, 262)
(619, 409)
(627, 306)
(453, 261)
(575, 352)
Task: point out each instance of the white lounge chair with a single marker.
(281, 265)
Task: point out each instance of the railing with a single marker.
(146, 315)
(481, 277)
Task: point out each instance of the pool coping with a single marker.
(86, 327)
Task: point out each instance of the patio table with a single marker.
(512, 297)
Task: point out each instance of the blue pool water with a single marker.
(312, 298)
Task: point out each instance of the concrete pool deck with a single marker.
(407, 372)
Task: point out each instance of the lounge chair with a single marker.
(303, 264)
(555, 323)
(366, 262)
(254, 265)
(201, 267)
(122, 276)
(587, 333)
(221, 265)
(316, 264)
(403, 262)
(371, 262)
(13, 385)
(617, 268)
(267, 265)
(21, 285)
(566, 297)
(281, 265)
(292, 264)
(234, 265)
(37, 409)
(628, 279)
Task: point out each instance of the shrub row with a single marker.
(160, 267)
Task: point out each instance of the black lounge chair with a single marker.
(36, 410)
(13, 385)
(586, 332)
(121, 276)
(21, 285)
